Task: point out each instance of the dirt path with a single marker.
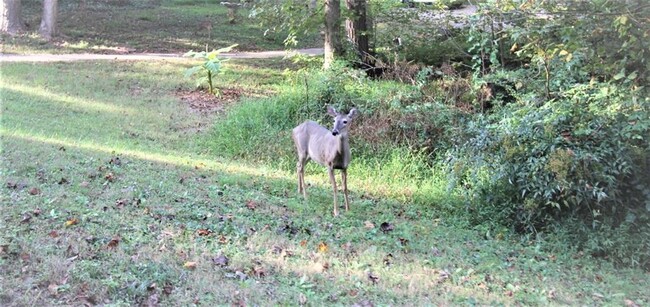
(145, 56)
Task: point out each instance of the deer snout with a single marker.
(335, 132)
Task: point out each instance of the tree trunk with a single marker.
(357, 29)
(333, 47)
(11, 21)
(48, 21)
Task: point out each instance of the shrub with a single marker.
(582, 156)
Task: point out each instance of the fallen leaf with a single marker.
(115, 161)
(223, 239)
(110, 177)
(72, 221)
(258, 271)
(53, 289)
(326, 266)
(204, 232)
(443, 275)
(388, 259)
(37, 211)
(435, 251)
(630, 303)
(84, 184)
(386, 227)
(53, 234)
(120, 203)
(322, 247)
(251, 204)
(403, 241)
(34, 191)
(302, 299)
(303, 243)
(190, 265)
(373, 278)
(221, 260)
(598, 295)
(368, 225)
(114, 242)
(364, 303)
(26, 218)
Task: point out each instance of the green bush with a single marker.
(582, 156)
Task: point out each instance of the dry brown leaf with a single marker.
(110, 177)
(373, 278)
(368, 225)
(204, 232)
(221, 260)
(26, 218)
(190, 265)
(53, 289)
(303, 243)
(322, 247)
(251, 204)
(72, 221)
(114, 242)
(34, 191)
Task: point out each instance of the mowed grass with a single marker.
(110, 195)
(171, 26)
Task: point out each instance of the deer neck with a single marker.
(342, 143)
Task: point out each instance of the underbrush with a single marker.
(520, 168)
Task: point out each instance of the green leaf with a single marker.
(213, 66)
(191, 71)
(619, 75)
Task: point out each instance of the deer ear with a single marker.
(331, 111)
(353, 113)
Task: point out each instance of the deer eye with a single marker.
(345, 121)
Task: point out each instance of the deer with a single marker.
(328, 148)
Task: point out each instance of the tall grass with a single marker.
(259, 130)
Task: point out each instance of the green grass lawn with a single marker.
(120, 26)
(111, 195)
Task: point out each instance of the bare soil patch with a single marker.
(208, 104)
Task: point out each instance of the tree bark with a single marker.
(333, 47)
(48, 22)
(357, 28)
(11, 21)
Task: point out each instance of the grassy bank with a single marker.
(144, 26)
(117, 190)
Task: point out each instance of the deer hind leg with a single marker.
(333, 180)
(344, 180)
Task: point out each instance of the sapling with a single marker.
(207, 71)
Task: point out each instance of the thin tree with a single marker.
(10, 19)
(48, 27)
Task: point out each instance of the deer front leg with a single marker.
(344, 179)
(333, 180)
(301, 178)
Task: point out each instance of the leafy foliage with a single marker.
(573, 146)
(210, 68)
